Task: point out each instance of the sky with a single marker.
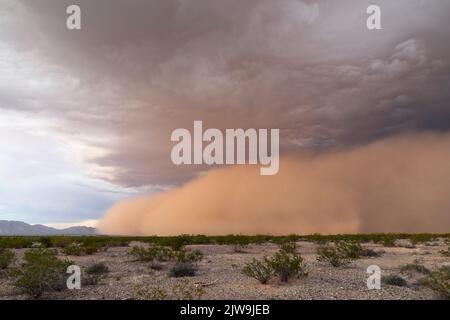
(86, 115)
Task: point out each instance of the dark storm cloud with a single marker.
(139, 69)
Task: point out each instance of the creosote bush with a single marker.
(394, 280)
(415, 267)
(340, 254)
(288, 246)
(283, 264)
(41, 272)
(94, 273)
(182, 290)
(152, 253)
(97, 268)
(287, 265)
(182, 269)
(260, 270)
(439, 282)
(184, 255)
(6, 258)
(78, 249)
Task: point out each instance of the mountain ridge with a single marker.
(20, 228)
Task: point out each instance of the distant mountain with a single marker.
(19, 228)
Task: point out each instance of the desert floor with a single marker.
(220, 275)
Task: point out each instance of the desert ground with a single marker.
(220, 275)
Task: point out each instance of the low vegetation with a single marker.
(283, 264)
(260, 270)
(340, 253)
(182, 269)
(439, 282)
(182, 290)
(78, 249)
(97, 268)
(40, 272)
(394, 280)
(177, 242)
(415, 267)
(6, 258)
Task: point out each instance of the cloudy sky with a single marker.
(86, 115)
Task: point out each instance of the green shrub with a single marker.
(41, 272)
(366, 252)
(340, 254)
(394, 280)
(97, 268)
(287, 265)
(350, 249)
(182, 290)
(288, 246)
(139, 253)
(78, 249)
(159, 253)
(439, 282)
(45, 242)
(416, 267)
(6, 258)
(388, 241)
(182, 269)
(260, 270)
(176, 243)
(152, 253)
(185, 290)
(184, 255)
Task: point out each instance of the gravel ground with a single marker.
(220, 275)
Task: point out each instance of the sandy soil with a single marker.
(221, 278)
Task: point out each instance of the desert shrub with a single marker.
(239, 244)
(150, 293)
(6, 258)
(97, 268)
(16, 242)
(94, 273)
(77, 249)
(184, 255)
(185, 290)
(287, 265)
(415, 267)
(139, 253)
(152, 253)
(367, 252)
(351, 249)
(388, 241)
(41, 272)
(288, 246)
(445, 253)
(182, 290)
(260, 270)
(340, 254)
(394, 280)
(182, 269)
(175, 243)
(439, 282)
(46, 242)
